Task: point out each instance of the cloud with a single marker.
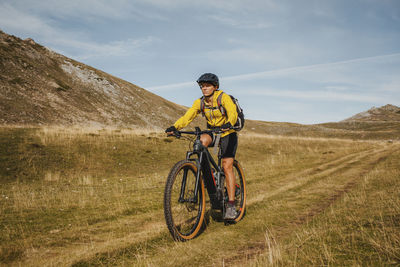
(17, 20)
(319, 95)
(246, 52)
(170, 87)
(73, 43)
(337, 88)
(221, 5)
(302, 69)
(392, 85)
(287, 71)
(335, 81)
(88, 49)
(89, 10)
(239, 22)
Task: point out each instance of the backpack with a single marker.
(240, 120)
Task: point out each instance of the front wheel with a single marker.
(184, 214)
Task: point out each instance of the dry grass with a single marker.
(105, 176)
(360, 229)
(355, 130)
(94, 197)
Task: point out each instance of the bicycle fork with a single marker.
(194, 199)
(213, 183)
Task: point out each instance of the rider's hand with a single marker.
(226, 127)
(171, 130)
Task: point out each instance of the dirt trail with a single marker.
(309, 174)
(100, 242)
(353, 166)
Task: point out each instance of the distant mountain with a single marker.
(384, 113)
(377, 124)
(41, 87)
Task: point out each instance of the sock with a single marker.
(231, 202)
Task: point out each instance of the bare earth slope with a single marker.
(39, 86)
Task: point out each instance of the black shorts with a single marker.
(228, 144)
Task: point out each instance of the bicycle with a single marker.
(184, 195)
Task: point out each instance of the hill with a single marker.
(41, 87)
(384, 113)
(375, 123)
(355, 130)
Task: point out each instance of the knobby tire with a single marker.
(240, 198)
(184, 220)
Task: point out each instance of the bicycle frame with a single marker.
(204, 161)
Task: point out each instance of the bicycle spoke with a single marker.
(184, 214)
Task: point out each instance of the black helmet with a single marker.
(209, 78)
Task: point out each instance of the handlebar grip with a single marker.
(175, 134)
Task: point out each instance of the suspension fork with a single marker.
(198, 174)
(183, 187)
(197, 182)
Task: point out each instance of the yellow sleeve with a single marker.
(230, 108)
(189, 116)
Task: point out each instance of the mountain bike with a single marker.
(184, 195)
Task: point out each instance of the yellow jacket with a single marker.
(214, 116)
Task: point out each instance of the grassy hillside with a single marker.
(41, 87)
(86, 197)
(381, 123)
(355, 130)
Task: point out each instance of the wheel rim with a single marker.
(186, 216)
(240, 191)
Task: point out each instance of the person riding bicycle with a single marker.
(209, 85)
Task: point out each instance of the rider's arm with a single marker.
(189, 116)
(230, 108)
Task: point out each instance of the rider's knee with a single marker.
(205, 139)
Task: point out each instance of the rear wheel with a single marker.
(240, 192)
(184, 214)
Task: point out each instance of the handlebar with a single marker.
(199, 132)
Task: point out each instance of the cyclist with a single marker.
(209, 85)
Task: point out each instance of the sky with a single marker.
(305, 61)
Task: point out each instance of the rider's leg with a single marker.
(227, 164)
(206, 140)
